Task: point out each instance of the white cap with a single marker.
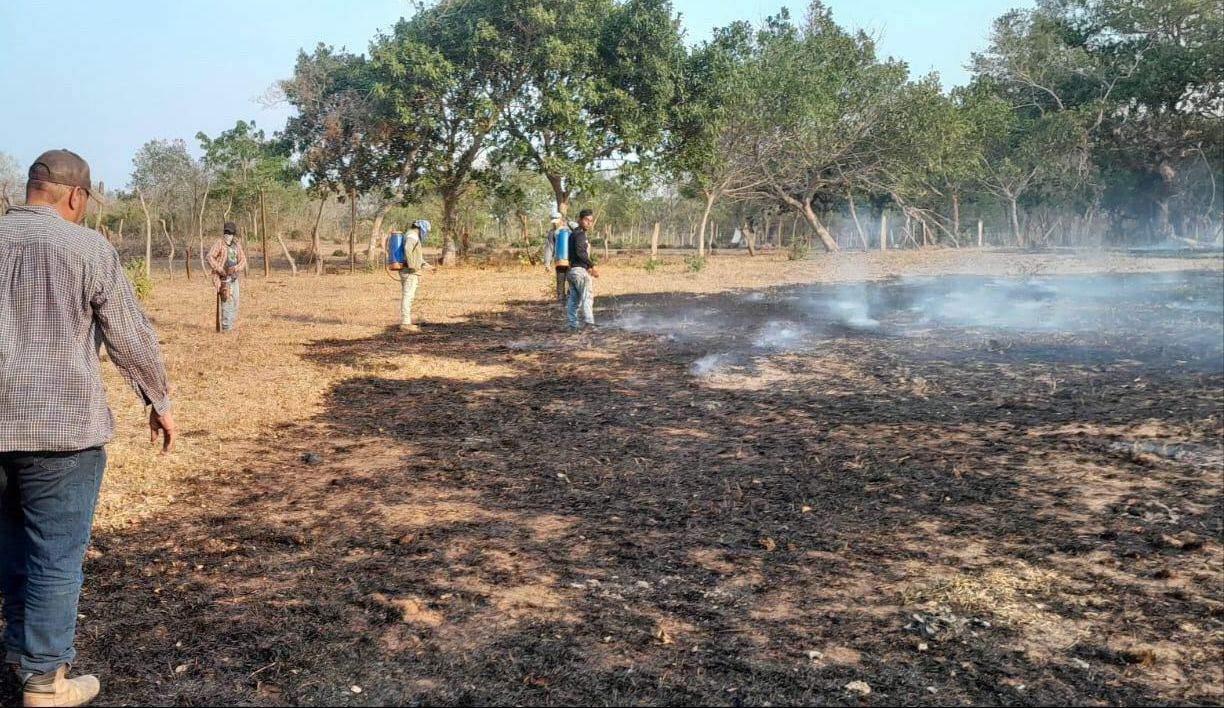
(555, 215)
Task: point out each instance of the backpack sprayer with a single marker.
(397, 258)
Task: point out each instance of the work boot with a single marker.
(55, 689)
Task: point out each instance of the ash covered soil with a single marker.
(960, 489)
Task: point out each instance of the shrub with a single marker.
(339, 252)
(141, 283)
(798, 250)
(695, 263)
(652, 264)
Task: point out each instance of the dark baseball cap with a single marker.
(230, 228)
(61, 167)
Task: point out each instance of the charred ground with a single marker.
(497, 512)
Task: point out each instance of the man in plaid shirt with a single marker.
(63, 293)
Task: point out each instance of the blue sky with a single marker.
(125, 71)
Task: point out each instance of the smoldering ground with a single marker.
(1163, 318)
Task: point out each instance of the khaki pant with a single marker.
(408, 282)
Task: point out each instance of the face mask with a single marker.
(229, 239)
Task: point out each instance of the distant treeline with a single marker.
(1085, 122)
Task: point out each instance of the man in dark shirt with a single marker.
(580, 274)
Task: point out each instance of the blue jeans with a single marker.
(47, 502)
(581, 296)
(229, 308)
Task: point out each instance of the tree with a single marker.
(602, 82)
(934, 156)
(12, 182)
(166, 180)
(353, 136)
(452, 70)
(709, 146)
(1145, 79)
(247, 165)
(821, 115)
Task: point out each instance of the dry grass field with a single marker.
(497, 511)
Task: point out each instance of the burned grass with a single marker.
(494, 511)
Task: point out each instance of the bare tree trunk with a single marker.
(525, 229)
(955, 213)
(187, 255)
(376, 231)
(450, 224)
(826, 239)
(883, 231)
(200, 231)
(711, 197)
(288, 256)
(169, 258)
(857, 226)
(560, 193)
(315, 243)
(253, 233)
(352, 231)
(980, 234)
(263, 234)
(748, 233)
(1015, 222)
(654, 242)
(119, 241)
(148, 264)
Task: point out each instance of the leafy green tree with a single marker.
(167, 182)
(346, 140)
(452, 70)
(708, 142)
(821, 113)
(247, 165)
(602, 82)
(1145, 79)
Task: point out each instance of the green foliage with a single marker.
(341, 135)
(695, 264)
(602, 79)
(799, 250)
(476, 114)
(141, 283)
(653, 264)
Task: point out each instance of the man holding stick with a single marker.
(62, 293)
(228, 260)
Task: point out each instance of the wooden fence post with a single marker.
(884, 232)
(979, 233)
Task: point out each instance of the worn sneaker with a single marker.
(409, 328)
(55, 689)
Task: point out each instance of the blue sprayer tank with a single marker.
(561, 254)
(395, 251)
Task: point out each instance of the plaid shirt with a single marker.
(62, 293)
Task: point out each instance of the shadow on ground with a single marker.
(578, 519)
